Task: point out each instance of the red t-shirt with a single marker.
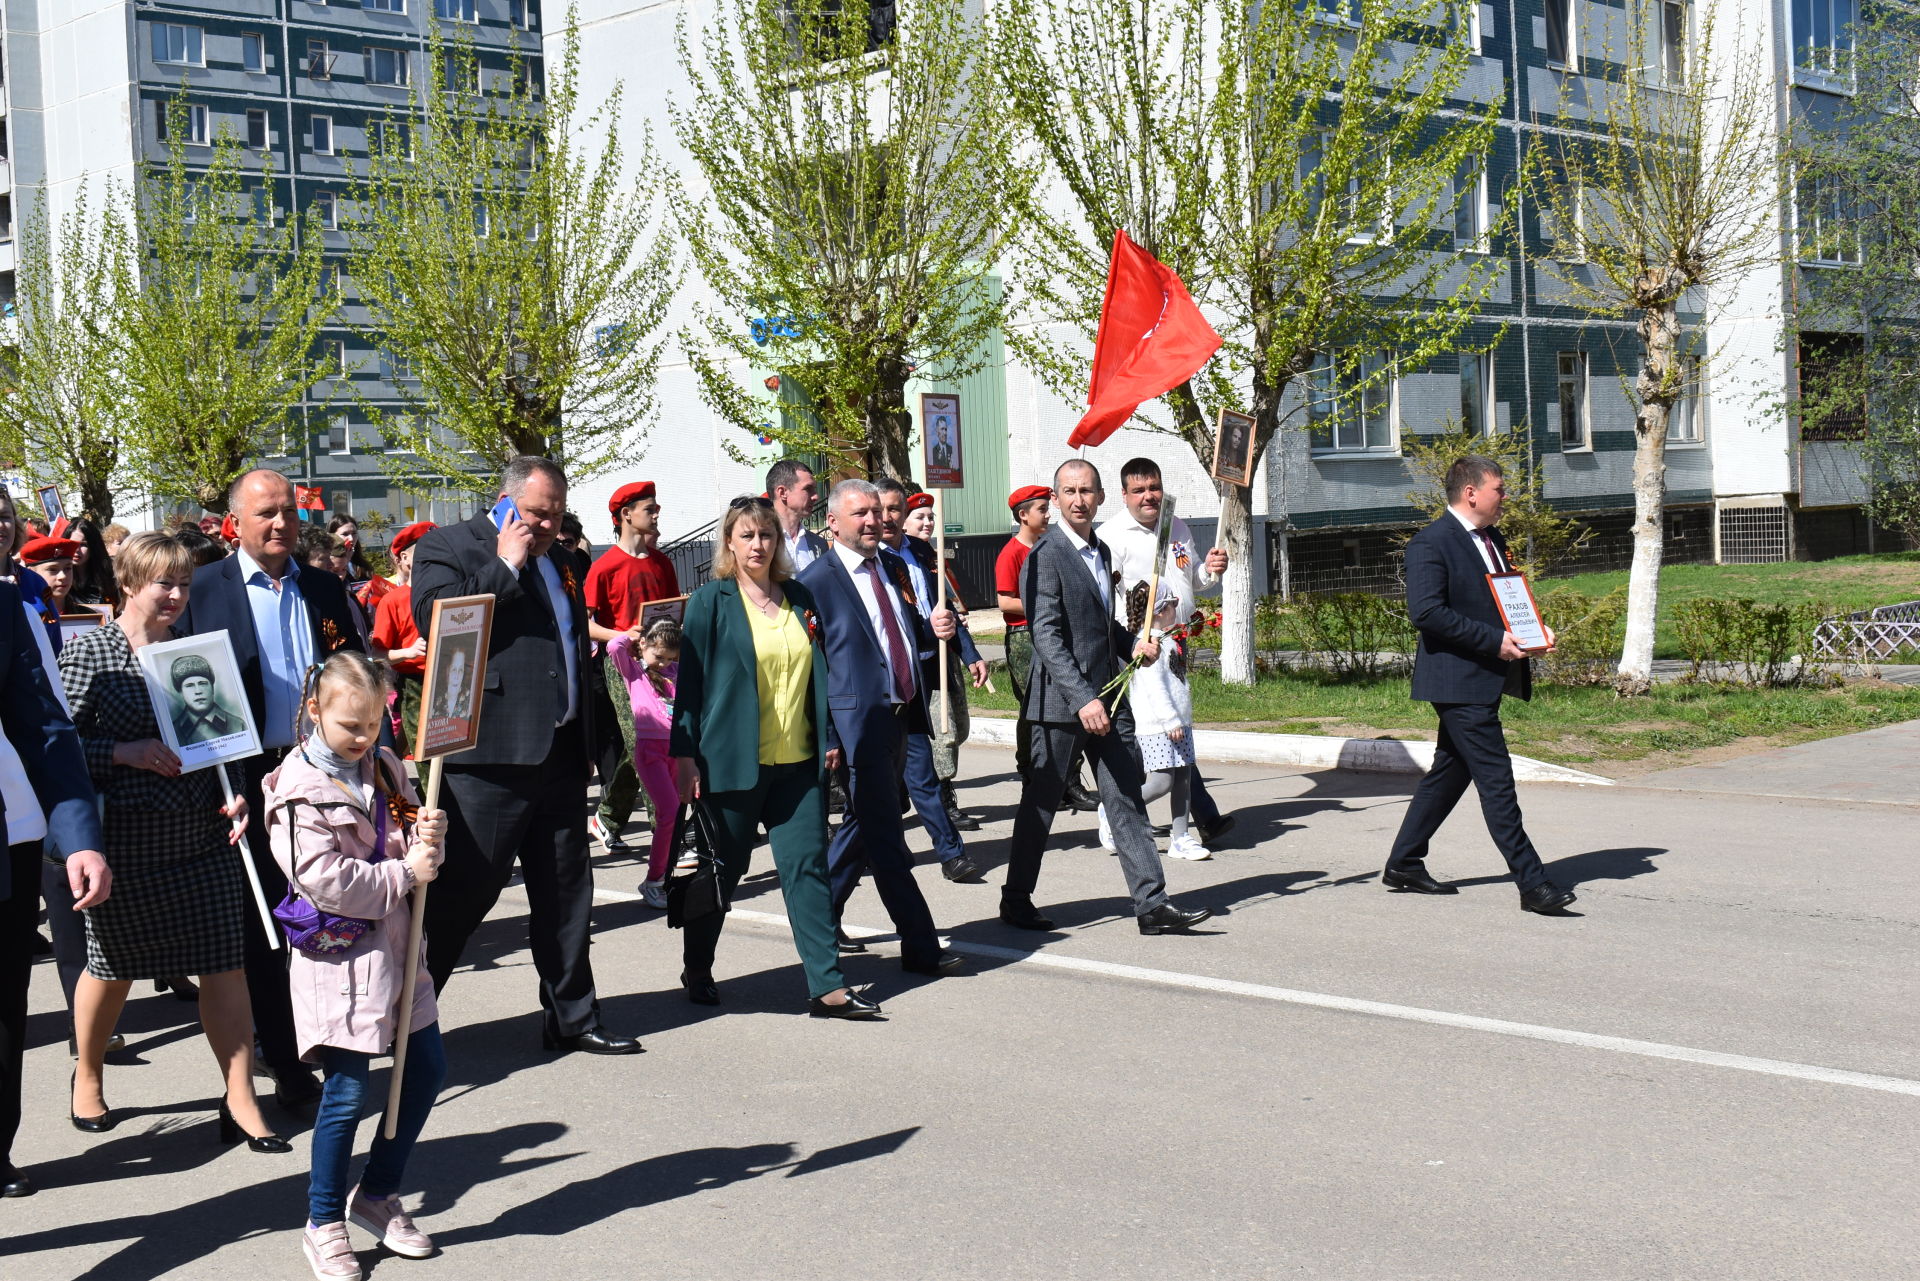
(1006, 576)
(393, 629)
(620, 583)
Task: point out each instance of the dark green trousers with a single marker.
(790, 803)
(620, 793)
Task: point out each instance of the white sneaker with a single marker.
(655, 894)
(1106, 834)
(387, 1219)
(1188, 847)
(329, 1253)
(609, 839)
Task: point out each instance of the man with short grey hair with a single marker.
(520, 795)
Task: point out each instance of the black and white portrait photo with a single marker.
(198, 700)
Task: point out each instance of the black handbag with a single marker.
(697, 894)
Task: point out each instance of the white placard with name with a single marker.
(1515, 601)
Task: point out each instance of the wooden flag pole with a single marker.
(246, 861)
(411, 980)
(940, 595)
(1160, 540)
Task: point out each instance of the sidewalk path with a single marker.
(1881, 766)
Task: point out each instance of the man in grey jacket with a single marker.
(1068, 585)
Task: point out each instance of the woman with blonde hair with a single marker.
(180, 902)
(750, 730)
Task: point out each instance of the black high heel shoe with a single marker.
(230, 1132)
(701, 989)
(87, 1124)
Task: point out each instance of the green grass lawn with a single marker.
(1569, 725)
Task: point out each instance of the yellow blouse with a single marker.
(783, 665)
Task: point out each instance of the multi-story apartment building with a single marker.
(300, 84)
(1744, 482)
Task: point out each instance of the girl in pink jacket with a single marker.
(337, 811)
(649, 669)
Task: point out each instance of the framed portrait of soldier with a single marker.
(198, 700)
(674, 607)
(945, 466)
(450, 700)
(1233, 448)
(51, 507)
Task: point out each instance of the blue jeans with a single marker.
(342, 1101)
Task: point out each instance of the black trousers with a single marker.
(1472, 748)
(537, 816)
(267, 989)
(873, 838)
(19, 913)
(68, 929)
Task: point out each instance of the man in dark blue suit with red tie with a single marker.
(873, 638)
(1466, 663)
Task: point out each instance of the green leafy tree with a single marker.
(63, 400)
(218, 337)
(1298, 171)
(1658, 194)
(512, 269)
(859, 180)
(1538, 536)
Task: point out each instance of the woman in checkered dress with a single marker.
(180, 896)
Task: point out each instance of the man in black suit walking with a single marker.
(1466, 662)
(282, 619)
(521, 793)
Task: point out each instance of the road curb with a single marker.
(1371, 755)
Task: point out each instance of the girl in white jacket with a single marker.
(1163, 728)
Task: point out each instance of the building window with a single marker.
(1561, 49)
(1833, 402)
(1476, 392)
(1824, 219)
(1823, 38)
(257, 130)
(323, 135)
(1350, 404)
(326, 207)
(456, 10)
(394, 366)
(1345, 12)
(527, 81)
(199, 123)
(1471, 216)
(177, 45)
(392, 138)
(338, 441)
(524, 14)
(482, 217)
(1365, 226)
(459, 73)
(384, 6)
(1573, 401)
(333, 357)
(1466, 24)
(386, 67)
(1686, 424)
(253, 53)
(1672, 16)
(319, 61)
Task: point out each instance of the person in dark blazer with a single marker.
(877, 697)
(1466, 662)
(520, 794)
(751, 732)
(1079, 648)
(47, 805)
(281, 619)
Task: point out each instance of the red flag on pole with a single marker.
(1152, 338)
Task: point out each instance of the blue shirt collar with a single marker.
(249, 567)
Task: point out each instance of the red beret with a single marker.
(1027, 493)
(632, 493)
(41, 550)
(229, 528)
(916, 501)
(408, 536)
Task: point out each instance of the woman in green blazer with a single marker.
(750, 728)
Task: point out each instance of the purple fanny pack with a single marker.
(309, 929)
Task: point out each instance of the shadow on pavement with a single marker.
(1594, 865)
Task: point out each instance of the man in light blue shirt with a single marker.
(283, 631)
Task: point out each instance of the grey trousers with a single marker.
(1117, 769)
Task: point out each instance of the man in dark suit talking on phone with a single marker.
(1467, 661)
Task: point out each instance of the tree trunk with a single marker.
(1236, 586)
(1659, 335)
(96, 499)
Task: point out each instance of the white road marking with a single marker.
(1383, 1009)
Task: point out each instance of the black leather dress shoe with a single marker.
(960, 869)
(1079, 798)
(1545, 897)
(1414, 882)
(955, 815)
(595, 1040)
(295, 1089)
(1168, 919)
(845, 945)
(1210, 833)
(855, 1006)
(701, 989)
(943, 963)
(1024, 916)
(14, 1181)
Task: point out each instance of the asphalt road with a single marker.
(1709, 1070)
